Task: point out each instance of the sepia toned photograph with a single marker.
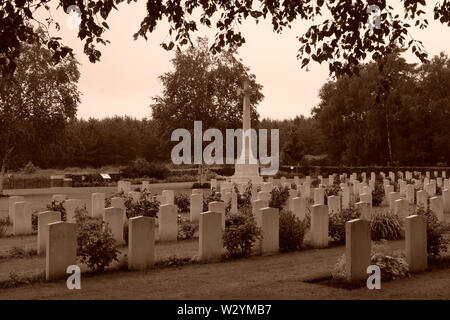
(224, 159)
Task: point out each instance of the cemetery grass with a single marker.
(283, 276)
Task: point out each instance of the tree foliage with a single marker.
(343, 40)
(396, 115)
(37, 104)
(204, 87)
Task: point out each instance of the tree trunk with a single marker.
(388, 135)
(3, 168)
(2, 175)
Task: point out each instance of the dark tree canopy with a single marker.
(406, 124)
(343, 41)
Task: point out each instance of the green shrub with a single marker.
(34, 221)
(141, 168)
(96, 245)
(332, 190)
(174, 262)
(4, 223)
(244, 199)
(58, 207)
(29, 168)
(125, 232)
(198, 185)
(146, 206)
(183, 202)
(292, 232)
(241, 233)
(186, 229)
(278, 197)
(182, 178)
(315, 182)
(392, 264)
(212, 196)
(377, 194)
(385, 225)
(437, 243)
(19, 252)
(14, 280)
(394, 183)
(337, 220)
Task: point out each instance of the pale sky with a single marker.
(126, 78)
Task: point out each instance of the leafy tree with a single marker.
(395, 115)
(203, 87)
(343, 41)
(294, 148)
(36, 105)
(298, 137)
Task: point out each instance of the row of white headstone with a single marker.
(20, 213)
(59, 238)
(141, 238)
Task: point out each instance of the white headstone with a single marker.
(446, 200)
(410, 193)
(44, 219)
(366, 197)
(98, 204)
(416, 243)
(114, 219)
(257, 205)
(392, 197)
(169, 195)
(168, 222)
(437, 206)
(11, 201)
(345, 196)
(401, 208)
(334, 204)
(299, 207)
(59, 197)
(357, 249)
(218, 206)
(422, 199)
(22, 218)
(196, 207)
(210, 236)
(319, 226)
(319, 196)
(71, 206)
(269, 244)
(364, 209)
(388, 189)
(141, 243)
(135, 195)
(61, 249)
(262, 195)
(234, 203)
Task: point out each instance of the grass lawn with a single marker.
(282, 276)
(41, 197)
